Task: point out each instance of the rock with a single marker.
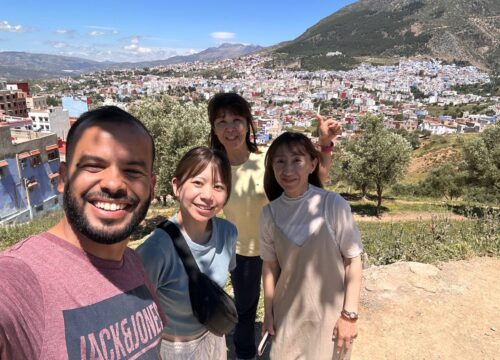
(423, 269)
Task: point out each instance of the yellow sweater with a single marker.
(247, 199)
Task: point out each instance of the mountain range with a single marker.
(24, 65)
(463, 31)
(466, 31)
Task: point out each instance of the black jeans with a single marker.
(246, 284)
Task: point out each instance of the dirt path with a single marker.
(419, 311)
(411, 216)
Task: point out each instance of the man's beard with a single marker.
(79, 222)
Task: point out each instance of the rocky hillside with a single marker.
(459, 30)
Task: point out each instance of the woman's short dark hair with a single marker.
(196, 160)
(291, 140)
(235, 104)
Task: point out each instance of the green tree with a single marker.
(53, 101)
(482, 162)
(412, 138)
(378, 156)
(352, 168)
(445, 181)
(175, 128)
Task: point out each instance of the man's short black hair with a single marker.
(102, 115)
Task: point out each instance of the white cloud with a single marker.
(57, 44)
(103, 29)
(135, 48)
(131, 49)
(221, 35)
(96, 33)
(67, 32)
(5, 26)
(60, 45)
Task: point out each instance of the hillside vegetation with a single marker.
(434, 151)
(466, 31)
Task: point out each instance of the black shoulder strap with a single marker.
(182, 248)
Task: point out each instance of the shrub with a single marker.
(11, 234)
(440, 239)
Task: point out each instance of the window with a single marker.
(31, 183)
(53, 155)
(23, 163)
(36, 160)
(54, 177)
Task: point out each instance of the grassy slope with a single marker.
(434, 151)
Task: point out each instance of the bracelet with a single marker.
(328, 148)
(349, 315)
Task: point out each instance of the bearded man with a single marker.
(77, 291)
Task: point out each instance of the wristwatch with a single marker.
(349, 315)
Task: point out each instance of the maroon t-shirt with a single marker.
(59, 302)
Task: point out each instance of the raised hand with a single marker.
(327, 129)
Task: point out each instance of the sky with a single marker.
(110, 30)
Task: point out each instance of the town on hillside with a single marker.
(418, 95)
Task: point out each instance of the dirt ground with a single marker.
(413, 311)
(419, 311)
(413, 216)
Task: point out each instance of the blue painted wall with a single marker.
(12, 191)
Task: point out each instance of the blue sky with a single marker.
(150, 30)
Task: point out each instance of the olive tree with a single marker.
(378, 157)
(175, 128)
(482, 163)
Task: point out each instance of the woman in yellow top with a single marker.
(233, 131)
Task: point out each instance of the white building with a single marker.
(273, 127)
(53, 119)
(36, 103)
(437, 128)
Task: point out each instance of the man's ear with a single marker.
(63, 174)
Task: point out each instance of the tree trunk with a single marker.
(379, 198)
(363, 191)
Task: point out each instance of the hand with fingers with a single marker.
(268, 324)
(328, 129)
(344, 333)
